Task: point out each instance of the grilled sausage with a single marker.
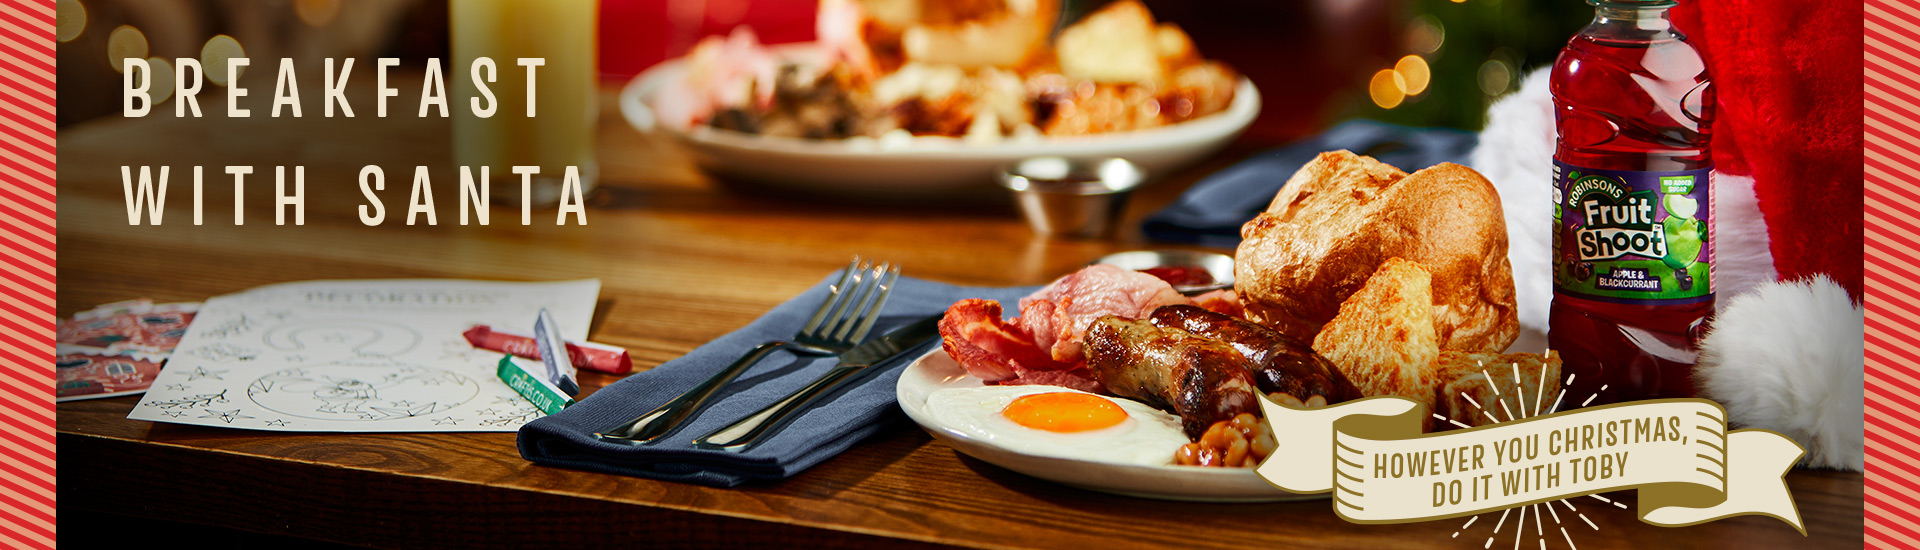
(1202, 380)
(1281, 364)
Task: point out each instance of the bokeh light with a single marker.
(69, 19)
(162, 76)
(1426, 34)
(1495, 77)
(316, 13)
(1388, 88)
(125, 42)
(1414, 71)
(214, 56)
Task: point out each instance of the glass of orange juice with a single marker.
(561, 132)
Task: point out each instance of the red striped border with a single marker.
(26, 287)
(27, 242)
(1893, 266)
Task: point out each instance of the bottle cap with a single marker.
(1635, 3)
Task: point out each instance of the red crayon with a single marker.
(585, 355)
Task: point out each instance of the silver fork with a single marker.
(842, 321)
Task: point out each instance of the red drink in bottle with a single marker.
(1633, 257)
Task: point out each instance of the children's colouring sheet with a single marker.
(358, 356)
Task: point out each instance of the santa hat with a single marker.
(1786, 351)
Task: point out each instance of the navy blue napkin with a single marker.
(566, 439)
(1212, 212)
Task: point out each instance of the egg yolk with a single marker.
(1064, 412)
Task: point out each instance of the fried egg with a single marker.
(1060, 422)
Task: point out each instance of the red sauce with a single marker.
(1180, 275)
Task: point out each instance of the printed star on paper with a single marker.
(177, 387)
(446, 421)
(202, 372)
(276, 422)
(224, 416)
(508, 401)
(488, 412)
(403, 403)
(416, 410)
(174, 414)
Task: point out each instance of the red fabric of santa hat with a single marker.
(1789, 77)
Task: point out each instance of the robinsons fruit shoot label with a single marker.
(1633, 237)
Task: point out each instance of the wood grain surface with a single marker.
(683, 259)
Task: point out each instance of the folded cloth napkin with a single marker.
(566, 439)
(1212, 212)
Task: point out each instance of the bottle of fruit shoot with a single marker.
(1633, 204)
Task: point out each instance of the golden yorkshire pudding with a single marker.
(1343, 215)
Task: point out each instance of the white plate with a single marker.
(929, 164)
(936, 371)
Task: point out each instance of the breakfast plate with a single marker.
(922, 164)
(936, 371)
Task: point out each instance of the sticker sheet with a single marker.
(116, 349)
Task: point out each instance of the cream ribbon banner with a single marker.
(1381, 468)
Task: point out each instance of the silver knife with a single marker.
(741, 435)
(553, 352)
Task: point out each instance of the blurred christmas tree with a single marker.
(1460, 55)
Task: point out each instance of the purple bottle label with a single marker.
(1632, 237)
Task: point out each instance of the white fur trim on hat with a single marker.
(1789, 357)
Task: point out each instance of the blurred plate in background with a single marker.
(927, 165)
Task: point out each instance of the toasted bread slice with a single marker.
(981, 33)
(1478, 389)
(897, 14)
(1383, 338)
(1176, 48)
(1117, 43)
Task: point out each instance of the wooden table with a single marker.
(683, 260)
